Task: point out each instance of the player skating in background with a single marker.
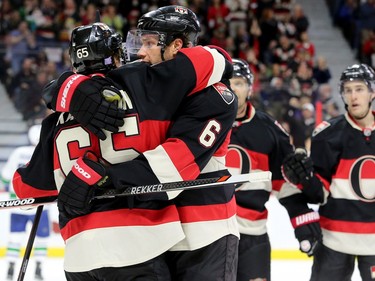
(159, 230)
(20, 219)
(259, 143)
(339, 174)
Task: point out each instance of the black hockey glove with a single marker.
(307, 231)
(297, 167)
(91, 101)
(86, 176)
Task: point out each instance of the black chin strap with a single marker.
(162, 53)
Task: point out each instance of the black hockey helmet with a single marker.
(241, 69)
(93, 47)
(361, 72)
(173, 21)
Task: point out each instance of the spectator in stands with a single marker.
(284, 23)
(305, 45)
(28, 85)
(20, 42)
(299, 19)
(276, 98)
(330, 107)
(21, 80)
(269, 33)
(308, 122)
(284, 52)
(305, 78)
(64, 64)
(88, 14)
(219, 37)
(216, 15)
(368, 48)
(237, 17)
(67, 19)
(321, 72)
(45, 23)
(112, 18)
(7, 13)
(344, 18)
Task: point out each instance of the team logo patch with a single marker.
(224, 92)
(322, 126)
(181, 10)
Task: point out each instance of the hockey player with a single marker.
(214, 233)
(151, 108)
(19, 219)
(339, 174)
(259, 143)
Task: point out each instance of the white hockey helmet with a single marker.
(34, 134)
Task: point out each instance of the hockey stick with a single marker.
(30, 243)
(185, 185)
(147, 189)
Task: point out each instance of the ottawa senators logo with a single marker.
(181, 10)
(322, 126)
(224, 92)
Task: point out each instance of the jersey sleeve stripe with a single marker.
(173, 161)
(209, 66)
(24, 190)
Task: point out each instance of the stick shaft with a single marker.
(30, 243)
(147, 189)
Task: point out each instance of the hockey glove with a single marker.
(86, 176)
(307, 231)
(297, 167)
(90, 101)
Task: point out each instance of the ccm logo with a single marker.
(81, 171)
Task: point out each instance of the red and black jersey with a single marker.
(344, 156)
(258, 143)
(162, 140)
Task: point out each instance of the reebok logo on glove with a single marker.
(85, 173)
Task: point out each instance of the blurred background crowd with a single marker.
(291, 79)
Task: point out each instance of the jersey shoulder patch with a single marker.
(225, 93)
(322, 126)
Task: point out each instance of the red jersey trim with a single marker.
(182, 158)
(24, 190)
(251, 215)
(347, 226)
(117, 218)
(189, 214)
